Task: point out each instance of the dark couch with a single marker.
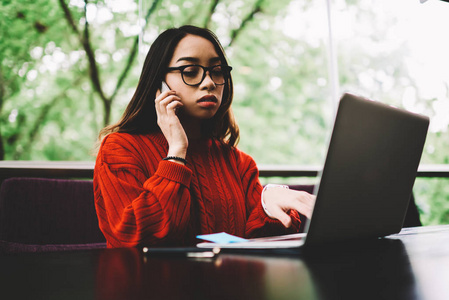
(39, 214)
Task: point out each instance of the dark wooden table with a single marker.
(411, 265)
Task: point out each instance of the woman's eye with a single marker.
(191, 71)
(218, 72)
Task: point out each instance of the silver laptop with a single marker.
(367, 179)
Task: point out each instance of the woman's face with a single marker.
(201, 101)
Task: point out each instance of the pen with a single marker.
(181, 252)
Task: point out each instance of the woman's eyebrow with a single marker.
(215, 59)
(196, 60)
(191, 59)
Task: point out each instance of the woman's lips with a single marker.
(208, 98)
(207, 101)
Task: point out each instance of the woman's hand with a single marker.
(166, 104)
(279, 201)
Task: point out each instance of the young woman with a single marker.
(170, 170)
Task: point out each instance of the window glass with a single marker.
(397, 52)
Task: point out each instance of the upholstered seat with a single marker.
(39, 214)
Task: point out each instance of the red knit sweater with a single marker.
(142, 200)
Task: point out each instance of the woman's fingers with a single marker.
(303, 203)
(166, 111)
(166, 104)
(165, 99)
(279, 201)
(281, 215)
(173, 105)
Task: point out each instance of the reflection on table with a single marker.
(411, 265)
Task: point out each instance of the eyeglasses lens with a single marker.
(194, 75)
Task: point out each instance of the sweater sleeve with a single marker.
(258, 223)
(136, 208)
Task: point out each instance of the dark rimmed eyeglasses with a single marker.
(193, 75)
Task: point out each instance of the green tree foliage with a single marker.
(69, 67)
(75, 71)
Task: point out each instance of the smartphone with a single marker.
(164, 87)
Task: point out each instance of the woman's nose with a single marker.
(208, 83)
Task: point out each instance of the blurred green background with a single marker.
(69, 67)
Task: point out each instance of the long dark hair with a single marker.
(140, 114)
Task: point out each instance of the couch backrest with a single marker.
(40, 214)
(48, 211)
